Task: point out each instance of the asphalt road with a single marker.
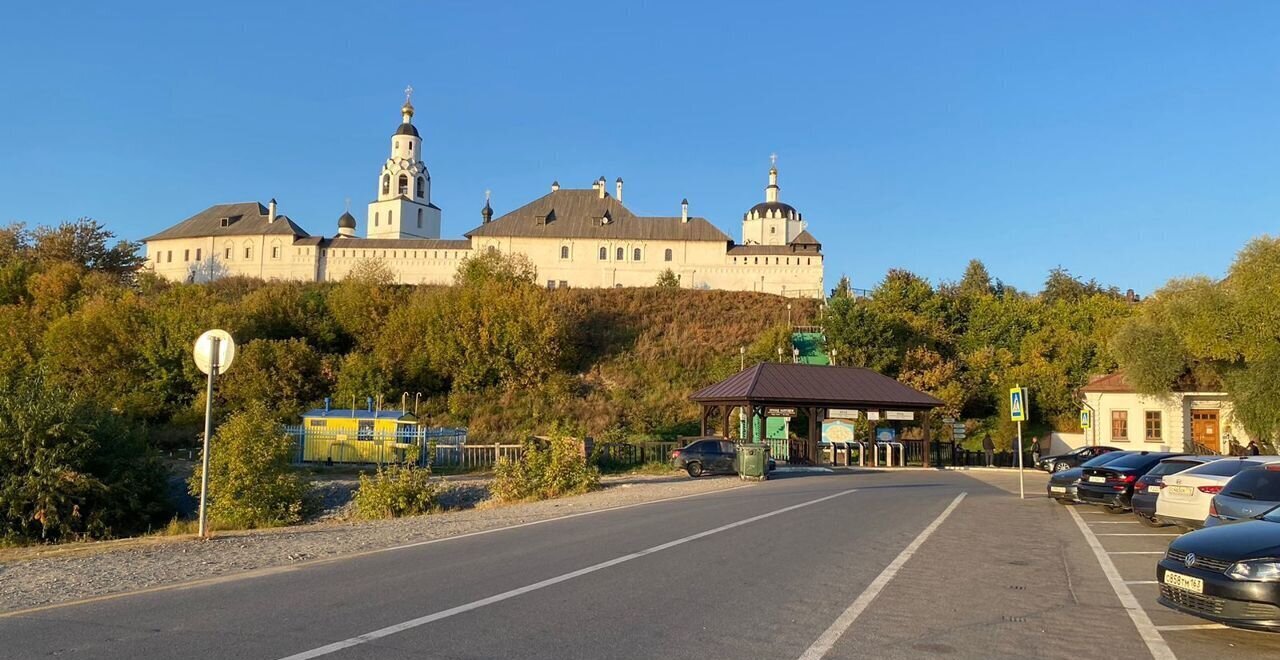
(883, 565)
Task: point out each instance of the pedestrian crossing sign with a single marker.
(1086, 420)
(1018, 404)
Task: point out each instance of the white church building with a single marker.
(574, 237)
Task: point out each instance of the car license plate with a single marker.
(1180, 491)
(1193, 584)
(1154, 489)
(1097, 480)
(1058, 489)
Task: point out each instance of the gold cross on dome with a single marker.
(486, 195)
(408, 93)
(773, 159)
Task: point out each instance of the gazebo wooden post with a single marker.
(812, 441)
(703, 421)
(925, 424)
(724, 420)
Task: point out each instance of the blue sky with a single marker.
(1128, 142)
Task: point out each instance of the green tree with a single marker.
(251, 481)
(284, 376)
(69, 470)
(667, 279)
(361, 303)
(85, 242)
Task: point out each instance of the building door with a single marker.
(1204, 430)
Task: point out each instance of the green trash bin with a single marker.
(752, 461)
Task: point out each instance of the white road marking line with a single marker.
(1139, 534)
(828, 639)
(1150, 634)
(1115, 522)
(1192, 626)
(506, 595)
(286, 568)
(1135, 552)
(1141, 582)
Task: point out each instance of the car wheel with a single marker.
(1149, 522)
(694, 469)
(1060, 466)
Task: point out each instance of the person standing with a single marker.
(1253, 449)
(989, 447)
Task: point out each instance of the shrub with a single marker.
(546, 469)
(251, 482)
(70, 470)
(395, 491)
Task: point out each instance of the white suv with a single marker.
(1184, 500)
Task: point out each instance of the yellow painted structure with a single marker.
(358, 436)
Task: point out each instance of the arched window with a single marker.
(391, 218)
(419, 216)
(422, 187)
(564, 251)
(635, 254)
(403, 186)
(773, 230)
(604, 253)
(621, 254)
(375, 218)
(386, 183)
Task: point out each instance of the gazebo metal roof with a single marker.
(843, 387)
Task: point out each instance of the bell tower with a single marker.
(403, 207)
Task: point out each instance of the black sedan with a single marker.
(1148, 487)
(1228, 574)
(706, 456)
(1062, 485)
(1111, 485)
(1073, 458)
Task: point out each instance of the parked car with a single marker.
(1062, 485)
(1074, 458)
(1146, 492)
(709, 456)
(1252, 492)
(1184, 500)
(1228, 574)
(1111, 485)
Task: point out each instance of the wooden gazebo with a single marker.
(770, 388)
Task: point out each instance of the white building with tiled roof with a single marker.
(574, 237)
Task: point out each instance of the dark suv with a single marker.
(706, 456)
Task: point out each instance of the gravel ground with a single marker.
(30, 578)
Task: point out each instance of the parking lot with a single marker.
(1127, 552)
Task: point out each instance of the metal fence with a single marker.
(632, 453)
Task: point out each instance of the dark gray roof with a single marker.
(764, 208)
(407, 129)
(244, 218)
(347, 221)
(801, 384)
(577, 214)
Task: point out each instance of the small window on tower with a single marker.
(386, 183)
(773, 230)
(391, 218)
(422, 187)
(403, 186)
(419, 218)
(375, 218)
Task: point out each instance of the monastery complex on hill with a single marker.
(574, 237)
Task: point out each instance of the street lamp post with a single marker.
(788, 315)
(779, 354)
(742, 358)
(795, 356)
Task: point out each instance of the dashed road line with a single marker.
(1192, 626)
(1141, 582)
(1135, 552)
(832, 634)
(1138, 534)
(1150, 634)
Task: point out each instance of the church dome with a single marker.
(407, 129)
(768, 209)
(347, 221)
